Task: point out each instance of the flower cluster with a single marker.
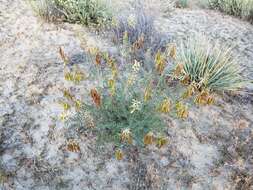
(133, 76)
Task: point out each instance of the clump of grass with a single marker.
(46, 9)
(87, 12)
(240, 8)
(3, 176)
(209, 66)
(136, 30)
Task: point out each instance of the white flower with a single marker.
(131, 20)
(131, 79)
(136, 106)
(126, 131)
(136, 66)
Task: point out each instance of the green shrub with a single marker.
(209, 66)
(240, 8)
(124, 103)
(87, 12)
(126, 99)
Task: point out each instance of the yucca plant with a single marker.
(209, 66)
(240, 8)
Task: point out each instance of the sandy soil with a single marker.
(33, 141)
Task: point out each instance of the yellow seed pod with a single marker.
(186, 80)
(79, 76)
(158, 56)
(202, 98)
(178, 70)
(148, 138)
(182, 110)
(63, 56)
(125, 136)
(210, 100)
(65, 106)
(63, 116)
(111, 84)
(119, 154)
(96, 97)
(110, 62)
(165, 106)
(125, 38)
(73, 146)
(189, 92)
(138, 44)
(161, 141)
(69, 76)
(173, 51)
(68, 95)
(93, 50)
(98, 58)
(114, 71)
(105, 56)
(160, 62)
(178, 105)
(183, 113)
(147, 94)
(78, 104)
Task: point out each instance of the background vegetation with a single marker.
(87, 12)
(240, 8)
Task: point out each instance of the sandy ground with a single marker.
(33, 141)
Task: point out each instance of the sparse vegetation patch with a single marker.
(87, 12)
(240, 8)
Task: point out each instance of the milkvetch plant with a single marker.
(126, 103)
